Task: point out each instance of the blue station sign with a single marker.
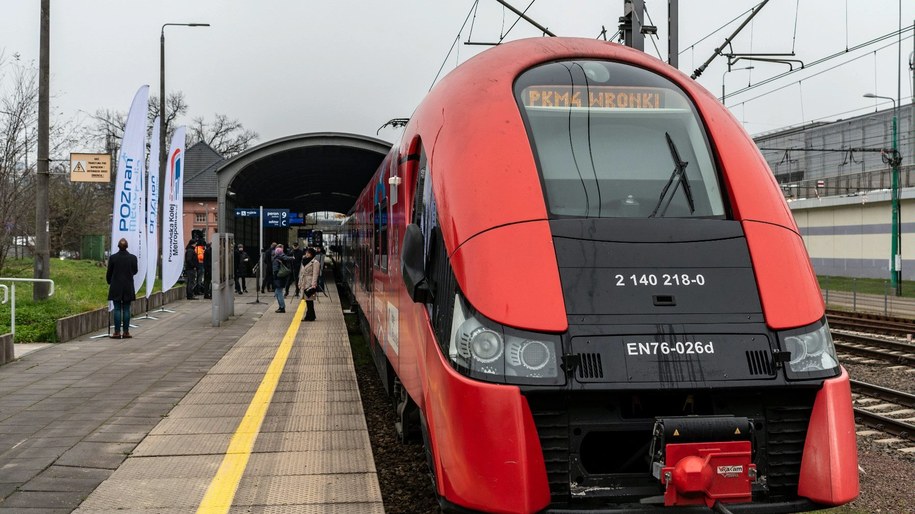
(276, 217)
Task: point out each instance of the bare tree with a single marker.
(108, 130)
(228, 137)
(18, 112)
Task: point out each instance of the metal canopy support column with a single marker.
(673, 33)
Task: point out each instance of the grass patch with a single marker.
(79, 286)
(875, 286)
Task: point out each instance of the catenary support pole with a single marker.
(42, 267)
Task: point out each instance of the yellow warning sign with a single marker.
(676, 433)
(737, 432)
(90, 167)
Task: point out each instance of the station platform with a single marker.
(262, 414)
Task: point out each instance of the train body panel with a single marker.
(573, 247)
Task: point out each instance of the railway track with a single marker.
(899, 327)
(874, 347)
(885, 409)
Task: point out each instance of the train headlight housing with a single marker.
(486, 350)
(811, 352)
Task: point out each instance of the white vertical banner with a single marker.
(152, 209)
(128, 217)
(173, 223)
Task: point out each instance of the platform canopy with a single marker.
(304, 173)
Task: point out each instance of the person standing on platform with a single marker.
(319, 256)
(297, 254)
(280, 276)
(308, 282)
(122, 266)
(201, 267)
(190, 269)
(207, 273)
(267, 263)
(241, 269)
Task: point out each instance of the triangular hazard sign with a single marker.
(79, 167)
(676, 433)
(737, 432)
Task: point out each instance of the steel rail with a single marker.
(848, 321)
(879, 348)
(885, 424)
(890, 395)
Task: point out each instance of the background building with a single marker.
(840, 194)
(200, 205)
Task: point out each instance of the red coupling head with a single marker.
(703, 473)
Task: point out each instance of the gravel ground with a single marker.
(887, 375)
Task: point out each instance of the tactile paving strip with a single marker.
(315, 508)
(312, 441)
(305, 489)
(310, 463)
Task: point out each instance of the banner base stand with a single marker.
(145, 316)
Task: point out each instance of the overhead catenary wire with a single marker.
(820, 61)
(712, 33)
(503, 36)
(454, 43)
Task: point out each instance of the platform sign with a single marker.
(276, 217)
(90, 167)
(247, 213)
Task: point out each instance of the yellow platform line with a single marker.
(222, 489)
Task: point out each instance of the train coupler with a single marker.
(703, 460)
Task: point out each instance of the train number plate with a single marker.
(670, 347)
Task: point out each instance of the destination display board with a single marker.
(605, 97)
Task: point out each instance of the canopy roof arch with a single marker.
(315, 172)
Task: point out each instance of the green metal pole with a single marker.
(896, 258)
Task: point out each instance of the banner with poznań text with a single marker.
(129, 216)
(172, 220)
(152, 209)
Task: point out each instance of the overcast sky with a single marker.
(293, 66)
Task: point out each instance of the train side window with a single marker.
(381, 234)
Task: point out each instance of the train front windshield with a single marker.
(616, 141)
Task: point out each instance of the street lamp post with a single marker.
(162, 148)
(895, 257)
(725, 73)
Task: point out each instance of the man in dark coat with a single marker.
(241, 269)
(297, 263)
(122, 266)
(207, 272)
(190, 269)
(267, 264)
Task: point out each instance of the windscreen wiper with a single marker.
(679, 174)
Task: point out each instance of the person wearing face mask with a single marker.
(308, 282)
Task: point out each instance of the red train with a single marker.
(585, 291)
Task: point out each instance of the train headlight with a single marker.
(478, 342)
(486, 350)
(812, 354)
